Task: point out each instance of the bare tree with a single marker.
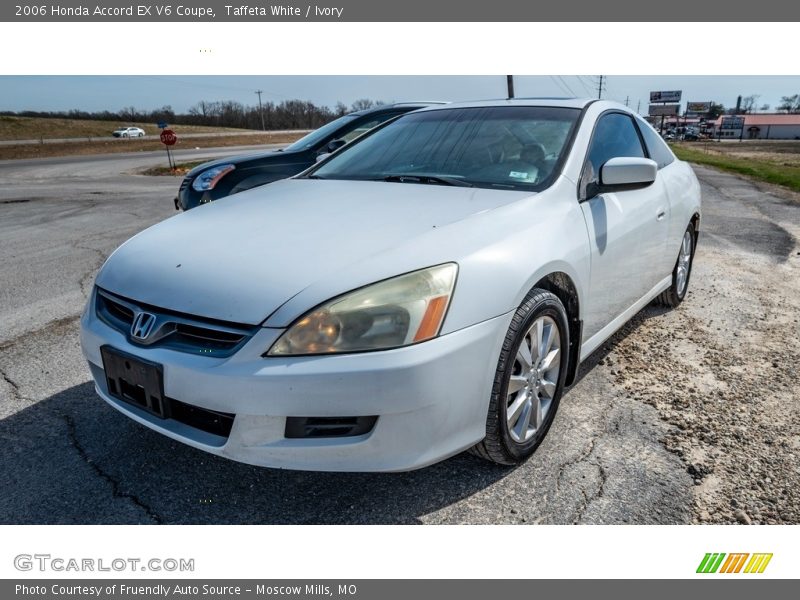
(128, 113)
(340, 110)
(288, 114)
(790, 104)
(750, 102)
(363, 104)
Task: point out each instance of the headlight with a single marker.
(389, 314)
(208, 179)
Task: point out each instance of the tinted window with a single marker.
(362, 128)
(316, 136)
(614, 135)
(505, 147)
(656, 147)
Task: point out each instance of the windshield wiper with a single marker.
(428, 179)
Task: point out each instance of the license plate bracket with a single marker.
(135, 381)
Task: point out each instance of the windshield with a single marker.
(316, 136)
(507, 147)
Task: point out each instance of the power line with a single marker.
(583, 85)
(207, 85)
(560, 86)
(565, 85)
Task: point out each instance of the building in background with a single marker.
(761, 127)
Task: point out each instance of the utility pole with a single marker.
(600, 88)
(510, 84)
(261, 110)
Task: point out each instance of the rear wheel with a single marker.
(675, 294)
(529, 380)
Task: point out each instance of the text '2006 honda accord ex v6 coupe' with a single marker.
(430, 288)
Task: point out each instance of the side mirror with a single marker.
(626, 172)
(322, 156)
(334, 145)
(622, 173)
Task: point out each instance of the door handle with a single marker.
(661, 214)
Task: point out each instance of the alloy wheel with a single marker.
(684, 262)
(534, 378)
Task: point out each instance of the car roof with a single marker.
(539, 101)
(410, 105)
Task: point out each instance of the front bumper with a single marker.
(188, 198)
(431, 398)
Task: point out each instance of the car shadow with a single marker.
(72, 459)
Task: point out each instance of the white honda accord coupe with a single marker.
(429, 288)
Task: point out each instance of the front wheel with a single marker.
(676, 292)
(529, 380)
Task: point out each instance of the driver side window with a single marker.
(615, 135)
(363, 128)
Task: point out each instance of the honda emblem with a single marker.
(142, 326)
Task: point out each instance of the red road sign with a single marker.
(168, 137)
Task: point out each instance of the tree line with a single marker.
(287, 114)
(749, 104)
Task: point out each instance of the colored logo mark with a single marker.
(719, 562)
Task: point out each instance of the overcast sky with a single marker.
(93, 93)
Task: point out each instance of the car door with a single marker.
(627, 229)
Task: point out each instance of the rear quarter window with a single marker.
(656, 147)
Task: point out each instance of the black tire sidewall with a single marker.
(548, 306)
(680, 297)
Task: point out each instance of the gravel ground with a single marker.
(723, 369)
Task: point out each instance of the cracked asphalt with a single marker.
(683, 416)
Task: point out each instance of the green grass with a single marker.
(769, 171)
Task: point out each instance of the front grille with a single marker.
(176, 331)
(211, 338)
(122, 313)
(328, 427)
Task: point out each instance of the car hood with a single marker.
(241, 259)
(270, 156)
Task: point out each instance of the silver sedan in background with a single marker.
(128, 132)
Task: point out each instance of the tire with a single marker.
(676, 292)
(511, 441)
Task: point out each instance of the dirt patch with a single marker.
(722, 370)
(180, 169)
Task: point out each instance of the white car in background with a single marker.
(128, 132)
(428, 289)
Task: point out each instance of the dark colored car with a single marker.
(217, 179)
